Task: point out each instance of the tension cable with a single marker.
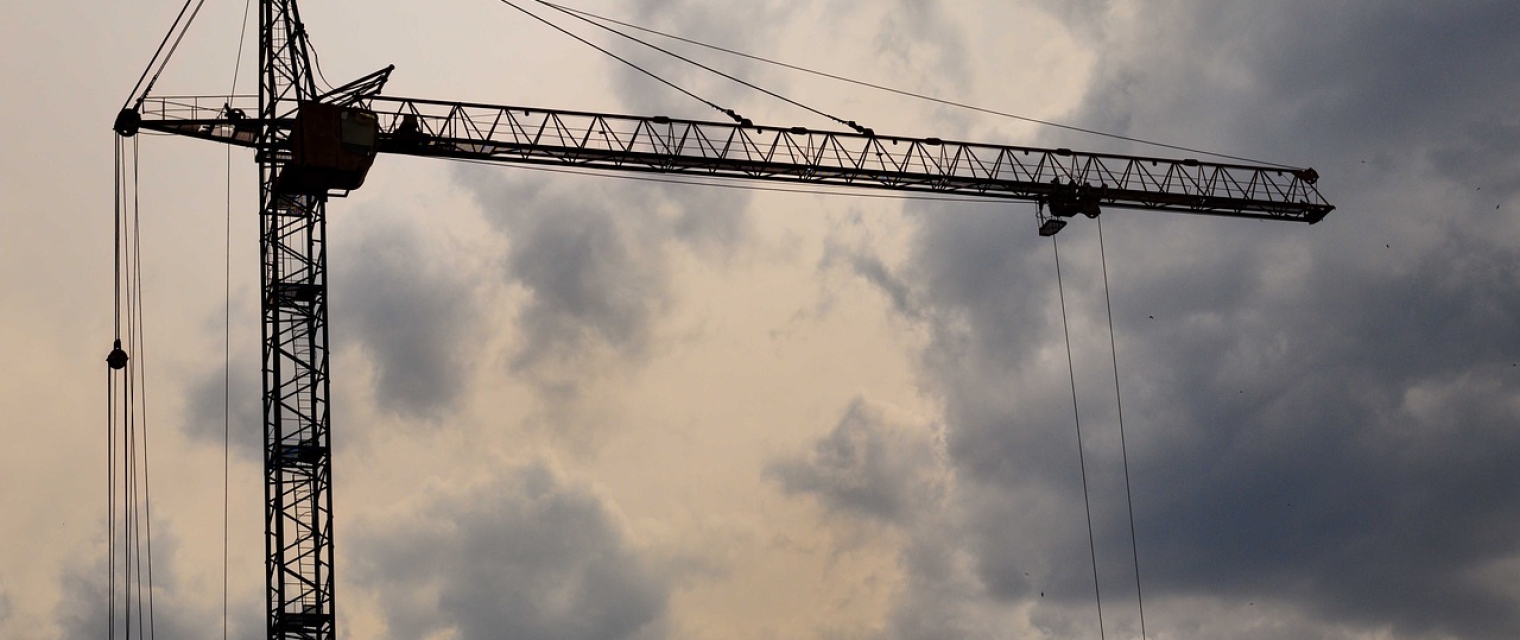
(576, 14)
(1092, 545)
(1129, 498)
(135, 100)
(914, 95)
(728, 112)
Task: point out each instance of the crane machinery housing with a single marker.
(311, 146)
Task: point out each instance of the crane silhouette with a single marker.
(312, 146)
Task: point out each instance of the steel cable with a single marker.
(728, 112)
(165, 63)
(920, 96)
(849, 123)
(227, 335)
(1092, 544)
(1129, 498)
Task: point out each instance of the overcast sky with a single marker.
(596, 408)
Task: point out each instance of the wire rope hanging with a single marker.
(129, 519)
(1129, 496)
(1092, 544)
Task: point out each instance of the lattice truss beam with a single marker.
(509, 134)
(298, 512)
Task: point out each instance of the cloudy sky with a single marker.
(595, 408)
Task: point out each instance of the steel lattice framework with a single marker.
(298, 515)
(293, 234)
(508, 134)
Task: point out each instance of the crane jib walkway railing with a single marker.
(1070, 181)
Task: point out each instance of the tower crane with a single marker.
(312, 146)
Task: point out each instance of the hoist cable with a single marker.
(127, 542)
(920, 96)
(773, 94)
(227, 335)
(1129, 498)
(129, 502)
(134, 518)
(1092, 544)
(129, 481)
(165, 62)
(727, 112)
(116, 223)
(110, 504)
(141, 373)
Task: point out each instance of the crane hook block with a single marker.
(117, 358)
(331, 149)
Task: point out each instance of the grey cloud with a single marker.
(874, 469)
(524, 556)
(1418, 71)
(1479, 155)
(82, 610)
(915, 33)
(594, 258)
(737, 26)
(867, 467)
(1315, 421)
(865, 264)
(413, 313)
(207, 406)
(1301, 82)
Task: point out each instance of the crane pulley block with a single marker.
(331, 149)
(1069, 199)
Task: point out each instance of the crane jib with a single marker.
(1064, 181)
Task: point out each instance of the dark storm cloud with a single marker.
(524, 556)
(1319, 418)
(1363, 469)
(594, 257)
(873, 469)
(1397, 73)
(996, 356)
(866, 467)
(413, 313)
(1303, 81)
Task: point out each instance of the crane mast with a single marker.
(298, 515)
(311, 146)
